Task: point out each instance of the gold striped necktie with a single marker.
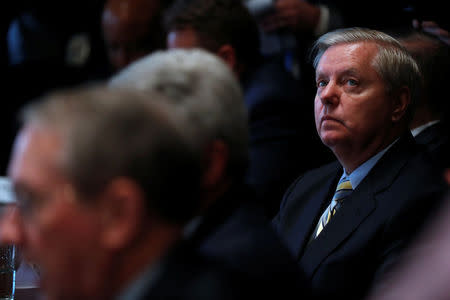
(343, 190)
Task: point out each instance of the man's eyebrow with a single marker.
(351, 72)
(346, 72)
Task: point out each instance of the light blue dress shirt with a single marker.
(361, 172)
(357, 176)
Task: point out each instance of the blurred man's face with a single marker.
(352, 108)
(55, 230)
(131, 30)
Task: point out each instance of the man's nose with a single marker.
(329, 94)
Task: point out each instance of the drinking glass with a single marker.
(7, 272)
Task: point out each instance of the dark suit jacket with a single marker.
(435, 140)
(373, 225)
(433, 136)
(236, 232)
(186, 275)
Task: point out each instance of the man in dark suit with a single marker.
(272, 97)
(230, 227)
(433, 57)
(93, 173)
(346, 222)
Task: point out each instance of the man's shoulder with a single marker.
(324, 170)
(307, 187)
(420, 175)
(407, 159)
(405, 182)
(193, 274)
(433, 137)
(311, 178)
(186, 274)
(250, 241)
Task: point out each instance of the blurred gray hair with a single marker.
(203, 89)
(108, 134)
(393, 62)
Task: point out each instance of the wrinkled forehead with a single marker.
(358, 51)
(359, 55)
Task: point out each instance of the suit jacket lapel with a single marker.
(305, 222)
(430, 134)
(358, 206)
(347, 219)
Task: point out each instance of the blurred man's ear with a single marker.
(228, 54)
(122, 210)
(401, 104)
(216, 161)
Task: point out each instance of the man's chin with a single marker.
(331, 140)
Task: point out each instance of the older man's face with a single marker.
(55, 231)
(352, 108)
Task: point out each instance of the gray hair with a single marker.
(203, 89)
(108, 134)
(393, 62)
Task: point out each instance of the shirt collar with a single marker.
(421, 128)
(361, 172)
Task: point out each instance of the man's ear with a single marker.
(228, 54)
(216, 161)
(122, 210)
(401, 103)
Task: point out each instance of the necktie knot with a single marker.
(343, 190)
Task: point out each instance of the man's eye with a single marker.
(27, 202)
(352, 82)
(321, 83)
(24, 204)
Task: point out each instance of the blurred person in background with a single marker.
(93, 173)
(282, 140)
(428, 124)
(132, 29)
(231, 225)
